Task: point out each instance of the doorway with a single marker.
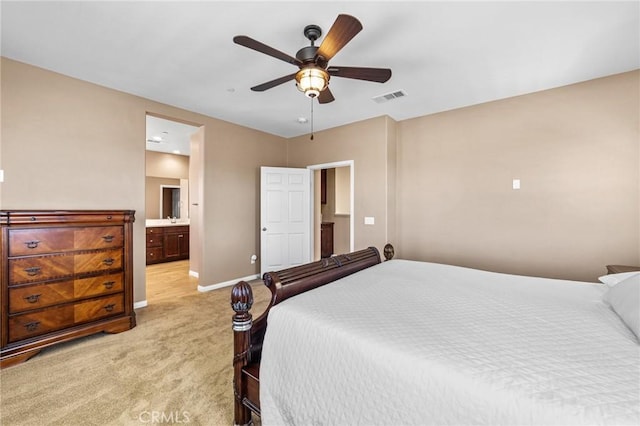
(333, 205)
(168, 195)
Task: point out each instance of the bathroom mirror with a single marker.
(170, 201)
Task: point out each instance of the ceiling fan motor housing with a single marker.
(312, 32)
(307, 54)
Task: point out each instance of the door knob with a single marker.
(264, 229)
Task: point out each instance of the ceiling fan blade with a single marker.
(273, 83)
(267, 50)
(326, 96)
(379, 75)
(341, 32)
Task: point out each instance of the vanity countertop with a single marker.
(166, 222)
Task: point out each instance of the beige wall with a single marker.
(343, 190)
(576, 152)
(1, 131)
(232, 197)
(365, 143)
(438, 186)
(391, 181)
(69, 144)
(161, 164)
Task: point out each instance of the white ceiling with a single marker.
(169, 136)
(444, 55)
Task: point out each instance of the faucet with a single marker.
(172, 219)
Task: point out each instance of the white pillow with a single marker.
(613, 279)
(624, 298)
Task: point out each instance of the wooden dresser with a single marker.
(65, 274)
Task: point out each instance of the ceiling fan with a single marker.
(313, 61)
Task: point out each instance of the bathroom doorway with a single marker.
(333, 208)
(168, 199)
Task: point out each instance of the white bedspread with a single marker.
(420, 343)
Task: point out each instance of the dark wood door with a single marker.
(176, 243)
(171, 245)
(326, 239)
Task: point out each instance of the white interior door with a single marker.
(285, 218)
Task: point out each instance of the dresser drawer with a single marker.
(24, 242)
(93, 237)
(42, 295)
(37, 218)
(94, 286)
(31, 324)
(97, 261)
(36, 323)
(39, 296)
(42, 268)
(30, 269)
(98, 308)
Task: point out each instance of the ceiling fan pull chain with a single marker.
(311, 118)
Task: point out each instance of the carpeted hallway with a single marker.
(174, 367)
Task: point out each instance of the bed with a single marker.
(404, 342)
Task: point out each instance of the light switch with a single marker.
(516, 184)
(369, 220)
(1, 175)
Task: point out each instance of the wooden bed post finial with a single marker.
(389, 251)
(241, 302)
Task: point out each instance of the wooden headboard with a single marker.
(249, 334)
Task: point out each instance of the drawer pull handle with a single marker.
(108, 284)
(33, 271)
(32, 326)
(108, 238)
(109, 307)
(108, 261)
(180, 236)
(32, 298)
(32, 244)
(109, 217)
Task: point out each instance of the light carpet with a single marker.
(174, 367)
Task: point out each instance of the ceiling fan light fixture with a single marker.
(312, 81)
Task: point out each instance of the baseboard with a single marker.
(205, 288)
(193, 274)
(140, 304)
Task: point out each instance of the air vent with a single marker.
(389, 96)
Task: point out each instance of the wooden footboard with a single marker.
(248, 334)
